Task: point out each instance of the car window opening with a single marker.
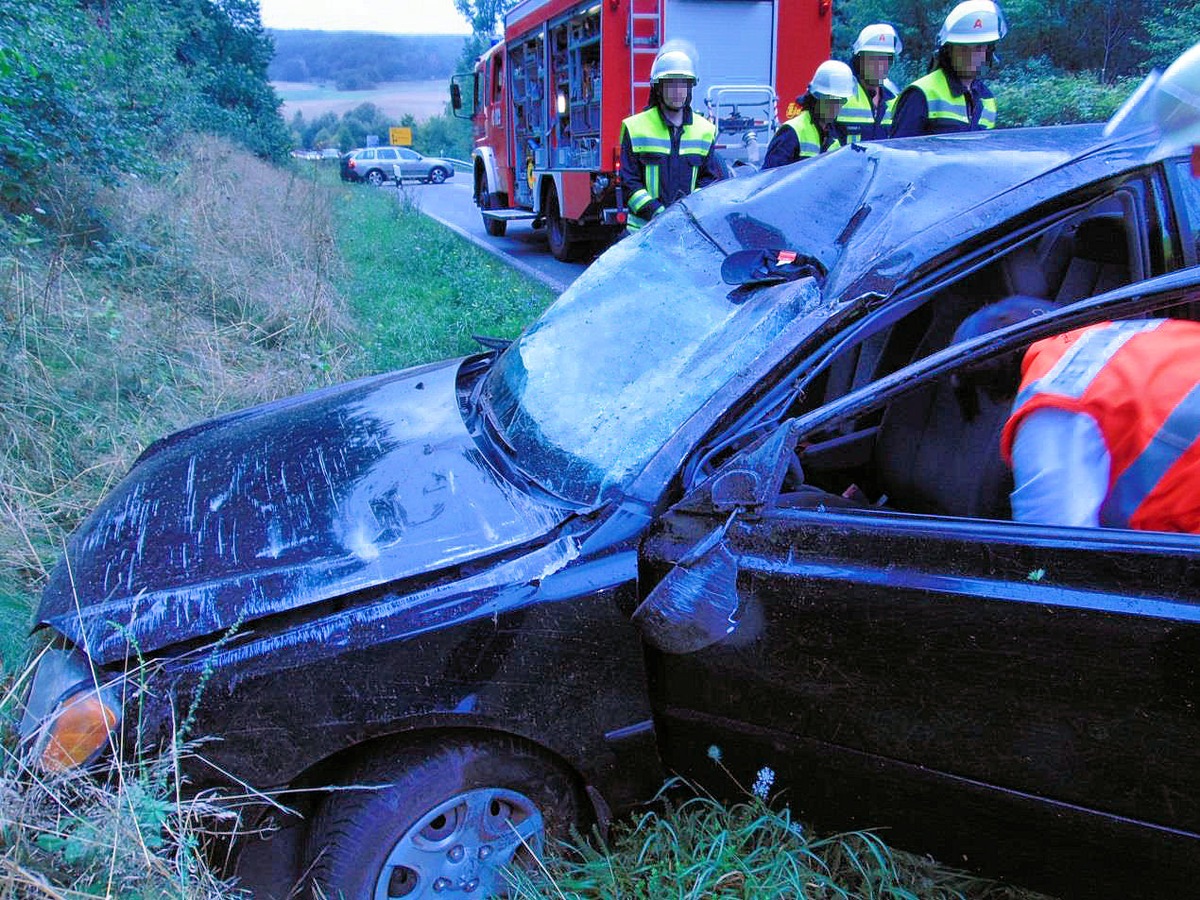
(921, 453)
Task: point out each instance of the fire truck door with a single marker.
(735, 39)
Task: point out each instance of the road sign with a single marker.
(400, 137)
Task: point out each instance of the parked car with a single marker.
(511, 591)
(376, 165)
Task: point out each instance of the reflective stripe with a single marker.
(1077, 368)
(647, 144)
(946, 106)
(1170, 442)
(948, 109)
(809, 136)
(639, 199)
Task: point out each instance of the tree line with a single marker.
(351, 60)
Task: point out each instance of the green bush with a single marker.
(98, 91)
(1033, 93)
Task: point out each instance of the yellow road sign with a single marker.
(400, 137)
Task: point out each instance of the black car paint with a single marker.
(1019, 699)
(473, 600)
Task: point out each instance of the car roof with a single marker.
(880, 207)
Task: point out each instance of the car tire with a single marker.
(375, 178)
(437, 175)
(558, 232)
(495, 227)
(441, 819)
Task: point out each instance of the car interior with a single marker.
(925, 452)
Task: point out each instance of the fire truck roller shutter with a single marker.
(734, 38)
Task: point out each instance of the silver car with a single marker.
(376, 165)
(412, 165)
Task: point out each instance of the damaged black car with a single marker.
(720, 494)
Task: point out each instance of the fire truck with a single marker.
(550, 96)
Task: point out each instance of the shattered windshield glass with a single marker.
(587, 395)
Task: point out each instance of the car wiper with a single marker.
(491, 424)
(491, 343)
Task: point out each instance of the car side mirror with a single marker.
(754, 478)
(455, 96)
(696, 604)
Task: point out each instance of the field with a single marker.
(420, 99)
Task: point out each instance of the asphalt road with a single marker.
(522, 247)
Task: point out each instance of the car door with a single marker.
(1017, 698)
(411, 164)
(388, 158)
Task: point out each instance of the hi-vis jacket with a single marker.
(800, 138)
(1140, 382)
(660, 163)
(940, 103)
(862, 121)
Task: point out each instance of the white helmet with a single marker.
(974, 22)
(833, 80)
(1177, 103)
(673, 61)
(879, 38)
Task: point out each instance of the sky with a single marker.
(404, 17)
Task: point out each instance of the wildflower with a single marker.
(762, 784)
(714, 753)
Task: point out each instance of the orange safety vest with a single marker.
(1140, 381)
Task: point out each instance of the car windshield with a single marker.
(599, 383)
(648, 333)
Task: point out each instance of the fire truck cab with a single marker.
(550, 96)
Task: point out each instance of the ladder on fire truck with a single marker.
(645, 37)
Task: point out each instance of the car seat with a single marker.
(928, 456)
(1099, 260)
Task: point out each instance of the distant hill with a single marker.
(360, 60)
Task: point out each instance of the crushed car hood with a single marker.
(282, 506)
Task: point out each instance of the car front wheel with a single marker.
(444, 823)
(375, 178)
(437, 175)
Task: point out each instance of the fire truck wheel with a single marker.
(495, 227)
(558, 232)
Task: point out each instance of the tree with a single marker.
(1170, 31)
(485, 16)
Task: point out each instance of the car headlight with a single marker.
(69, 714)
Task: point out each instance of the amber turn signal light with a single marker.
(77, 731)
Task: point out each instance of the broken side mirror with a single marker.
(696, 604)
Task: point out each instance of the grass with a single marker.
(129, 313)
(699, 848)
(421, 291)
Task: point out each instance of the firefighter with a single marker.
(666, 150)
(952, 97)
(816, 130)
(1105, 427)
(867, 116)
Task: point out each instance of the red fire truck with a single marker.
(550, 96)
